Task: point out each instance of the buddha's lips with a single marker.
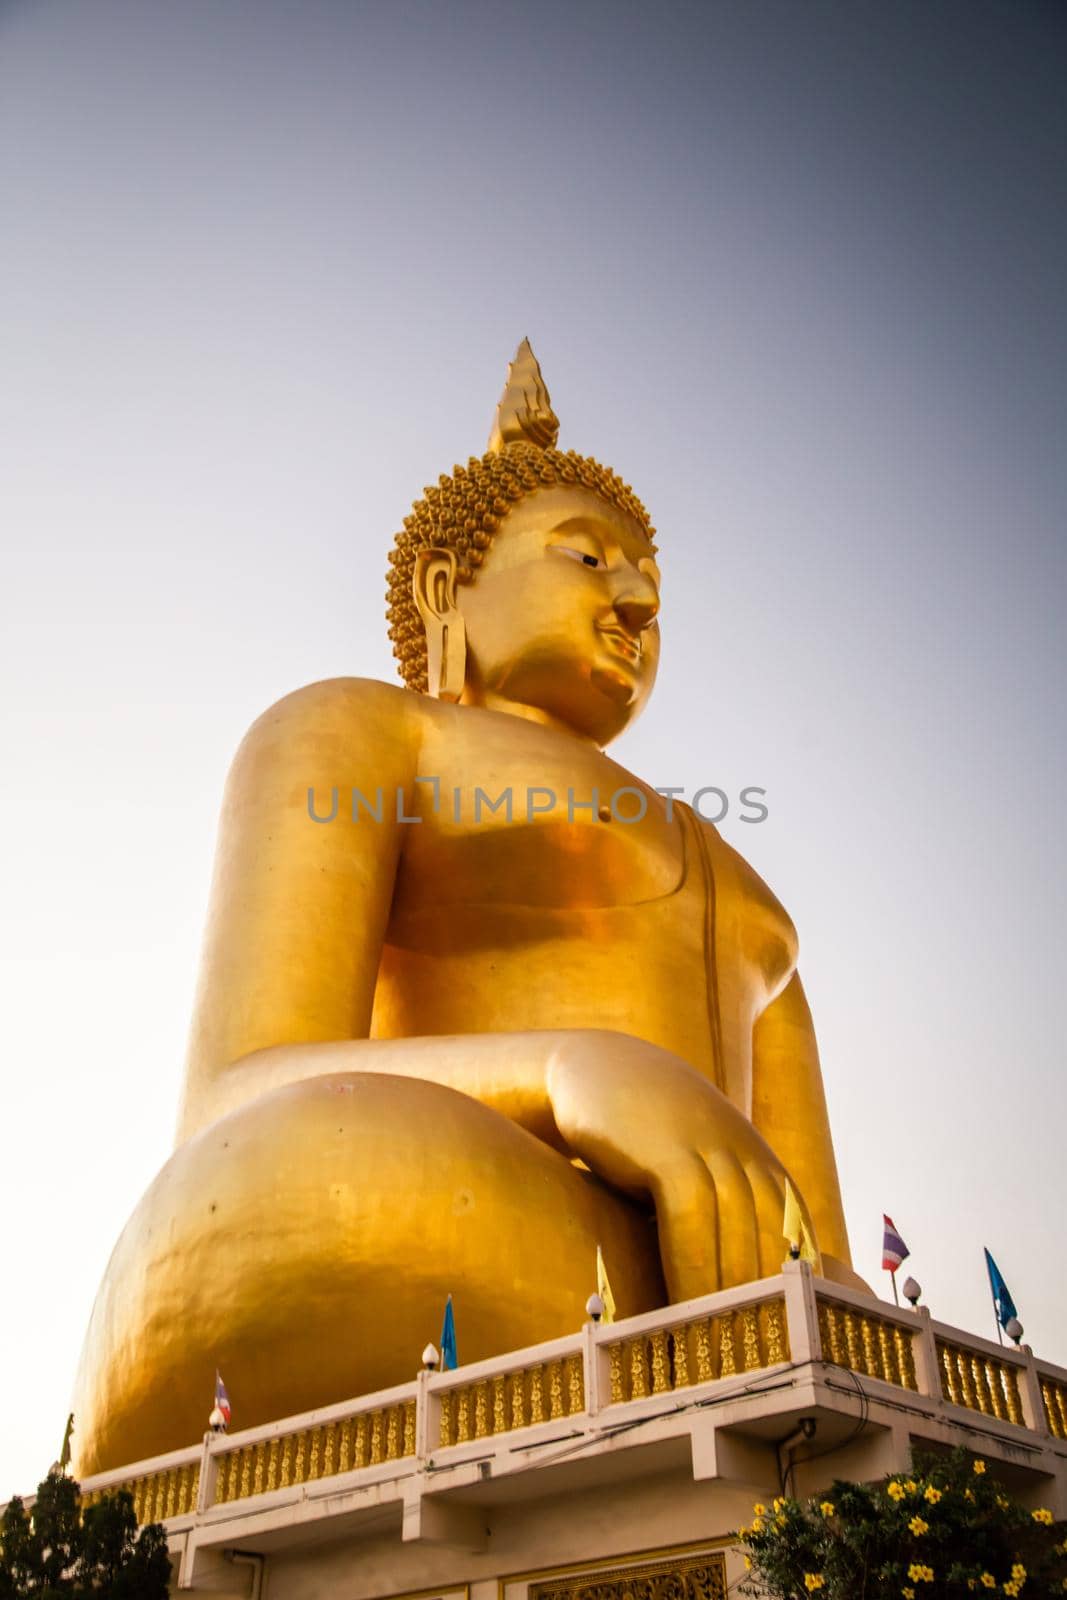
(624, 642)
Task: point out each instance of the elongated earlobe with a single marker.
(434, 587)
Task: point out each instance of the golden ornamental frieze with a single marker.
(701, 1577)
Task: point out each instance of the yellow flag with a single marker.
(794, 1228)
(64, 1454)
(603, 1287)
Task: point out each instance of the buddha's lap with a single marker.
(278, 1243)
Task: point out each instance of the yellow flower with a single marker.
(979, 1467)
(987, 1580)
(920, 1574)
(932, 1494)
(968, 1494)
(1002, 1502)
(908, 1593)
(760, 1510)
(778, 1504)
(757, 1525)
(827, 1509)
(911, 1486)
(918, 1527)
(1018, 1572)
(895, 1490)
(813, 1580)
(1042, 1516)
(1012, 1588)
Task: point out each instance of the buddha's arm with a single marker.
(637, 1115)
(298, 908)
(789, 1109)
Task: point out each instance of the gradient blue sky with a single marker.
(796, 270)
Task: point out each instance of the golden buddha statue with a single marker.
(473, 1001)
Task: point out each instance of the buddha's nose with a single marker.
(636, 608)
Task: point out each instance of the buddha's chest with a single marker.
(533, 821)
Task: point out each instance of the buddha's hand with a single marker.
(648, 1123)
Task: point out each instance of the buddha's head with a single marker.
(527, 581)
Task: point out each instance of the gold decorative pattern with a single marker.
(555, 1390)
(518, 1401)
(701, 1577)
(537, 1395)
(727, 1351)
(705, 1370)
(156, 1497)
(869, 1344)
(321, 1451)
(751, 1338)
(615, 1361)
(481, 1411)
(661, 1377)
(638, 1369)
(575, 1386)
(1054, 1396)
(776, 1335)
(680, 1354)
(446, 1424)
(981, 1383)
(510, 1401)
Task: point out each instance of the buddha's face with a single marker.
(560, 619)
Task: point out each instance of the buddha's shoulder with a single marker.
(761, 919)
(357, 716)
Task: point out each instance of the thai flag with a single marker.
(894, 1250)
(222, 1399)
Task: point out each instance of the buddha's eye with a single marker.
(583, 556)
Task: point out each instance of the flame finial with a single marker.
(525, 412)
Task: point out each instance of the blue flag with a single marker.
(1003, 1304)
(449, 1359)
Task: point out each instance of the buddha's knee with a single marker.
(280, 1242)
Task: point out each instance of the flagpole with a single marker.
(896, 1297)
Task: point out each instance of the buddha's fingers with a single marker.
(688, 1222)
(768, 1185)
(768, 1188)
(738, 1227)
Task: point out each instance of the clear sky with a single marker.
(796, 270)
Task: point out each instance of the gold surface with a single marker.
(454, 1055)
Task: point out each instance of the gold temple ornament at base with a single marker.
(457, 1057)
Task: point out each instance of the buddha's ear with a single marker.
(433, 585)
